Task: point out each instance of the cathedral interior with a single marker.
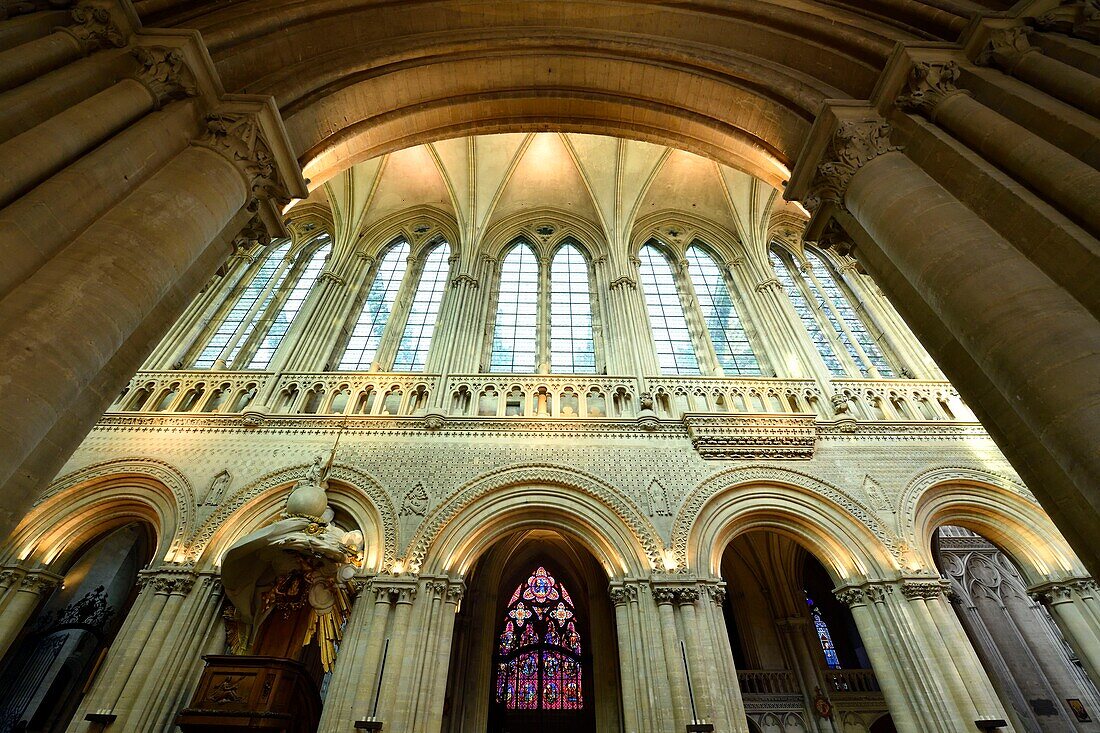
(587, 366)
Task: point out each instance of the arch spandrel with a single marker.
(457, 531)
(86, 502)
(840, 531)
(998, 508)
(352, 490)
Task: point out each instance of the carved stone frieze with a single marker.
(929, 84)
(726, 437)
(170, 582)
(854, 144)
(624, 282)
(924, 590)
(164, 73)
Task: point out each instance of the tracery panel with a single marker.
(281, 321)
(781, 264)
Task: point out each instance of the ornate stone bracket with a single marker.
(1006, 47)
(725, 437)
(95, 28)
(854, 144)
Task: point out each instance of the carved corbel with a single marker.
(929, 84)
(164, 72)
(854, 144)
(1080, 18)
(95, 28)
(1006, 47)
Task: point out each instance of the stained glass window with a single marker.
(671, 337)
(289, 309)
(539, 648)
(731, 344)
(377, 308)
(516, 326)
(823, 635)
(269, 273)
(412, 352)
(802, 307)
(571, 347)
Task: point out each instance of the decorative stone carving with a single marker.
(717, 594)
(1006, 47)
(171, 582)
(624, 282)
(332, 277)
(94, 28)
(854, 144)
(664, 595)
(835, 238)
(622, 594)
(686, 596)
(237, 137)
(38, 583)
(852, 596)
(464, 281)
(455, 592)
(1079, 18)
(164, 73)
(434, 422)
(254, 232)
(657, 500)
(770, 284)
(724, 437)
(218, 486)
(416, 502)
(924, 590)
(929, 84)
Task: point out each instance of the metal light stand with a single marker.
(696, 725)
(372, 723)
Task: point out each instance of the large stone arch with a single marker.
(98, 498)
(841, 532)
(353, 490)
(455, 533)
(997, 507)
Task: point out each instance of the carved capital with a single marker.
(687, 596)
(253, 232)
(854, 145)
(717, 594)
(94, 28)
(770, 284)
(455, 592)
(464, 281)
(851, 596)
(172, 583)
(622, 594)
(332, 277)
(929, 84)
(164, 73)
(624, 282)
(1006, 47)
(38, 583)
(664, 595)
(238, 138)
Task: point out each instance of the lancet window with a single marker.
(825, 308)
(416, 339)
(539, 648)
(366, 336)
(263, 309)
(543, 315)
(824, 637)
(695, 291)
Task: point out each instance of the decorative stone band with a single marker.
(164, 73)
(924, 590)
(31, 581)
(928, 85)
(861, 595)
(684, 595)
(1063, 591)
(168, 581)
(854, 144)
(624, 282)
(726, 437)
(1006, 47)
(94, 28)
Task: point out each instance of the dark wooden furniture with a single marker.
(252, 694)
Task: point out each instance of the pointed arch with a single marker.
(367, 333)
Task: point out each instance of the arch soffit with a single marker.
(78, 503)
(587, 236)
(689, 229)
(625, 538)
(422, 226)
(209, 541)
(844, 534)
(996, 506)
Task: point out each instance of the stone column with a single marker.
(94, 27)
(23, 596)
(631, 351)
(1010, 50)
(131, 271)
(1068, 609)
(674, 665)
(438, 661)
(1007, 317)
(620, 596)
(389, 705)
(304, 347)
(1069, 183)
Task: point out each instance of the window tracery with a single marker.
(515, 329)
(731, 344)
(668, 324)
(539, 648)
(416, 339)
(284, 316)
(571, 348)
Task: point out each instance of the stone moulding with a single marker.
(724, 437)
